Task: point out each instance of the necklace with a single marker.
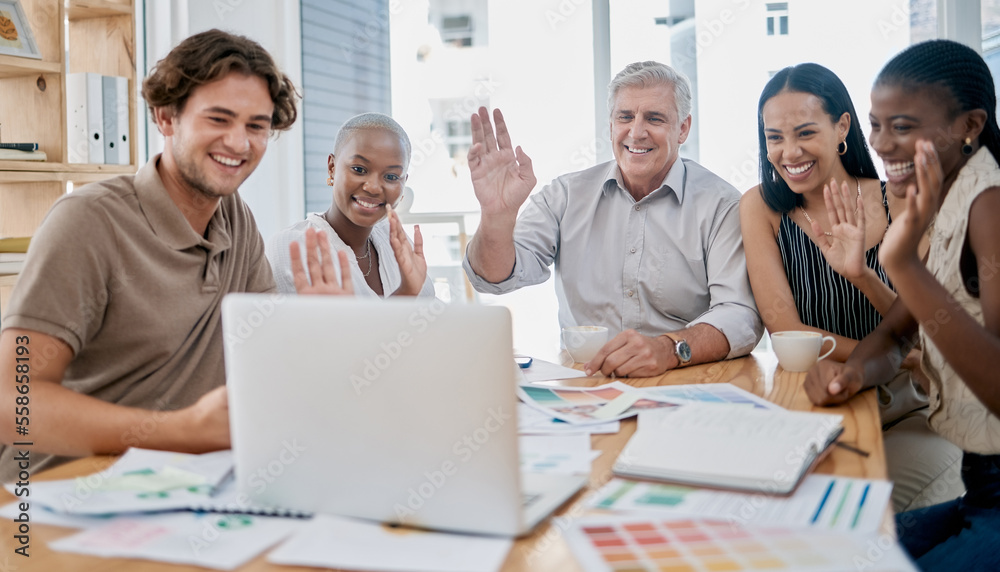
(368, 253)
(809, 218)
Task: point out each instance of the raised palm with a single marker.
(321, 278)
(902, 240)
(844, 250)
(502, 176)
(410, 259)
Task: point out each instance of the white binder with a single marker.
(85, 118)
(122, 137)
(115, 104)
(109, 99)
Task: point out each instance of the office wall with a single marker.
(345, 71)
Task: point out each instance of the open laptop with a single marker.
(396, 411)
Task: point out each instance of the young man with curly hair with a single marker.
(119, 303)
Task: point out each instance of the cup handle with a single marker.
(833, 347)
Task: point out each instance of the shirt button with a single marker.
(630, 293)
(632, 250)
(638, 208)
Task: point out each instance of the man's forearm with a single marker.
(491, 252)
(64, 422)
(708, 344)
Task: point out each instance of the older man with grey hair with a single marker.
(648, 245)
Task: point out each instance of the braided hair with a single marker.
(960, 75)
(819, 81)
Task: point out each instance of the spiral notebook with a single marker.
(143, 481)
(728, 446)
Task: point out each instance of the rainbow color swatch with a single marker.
(630, 544)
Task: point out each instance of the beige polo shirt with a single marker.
(116, 272)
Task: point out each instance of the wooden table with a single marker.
(545, 549)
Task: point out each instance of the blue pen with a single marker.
(826, 496)
(864, 496)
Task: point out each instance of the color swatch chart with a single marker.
(621, 544)
(821, 501)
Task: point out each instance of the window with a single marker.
(777, 19)
(457, 30)
(459, 138)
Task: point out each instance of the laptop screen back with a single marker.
(397, 411)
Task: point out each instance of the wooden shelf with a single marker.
(95, 168)
(50, 166)
(40, 166)
(13, 66)
(94, 36)
(33, 171)
(85, 9)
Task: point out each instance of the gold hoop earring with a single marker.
(329, 181)
(967, 148)
(842, 147)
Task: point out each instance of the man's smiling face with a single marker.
(646, 135)
(216, 141)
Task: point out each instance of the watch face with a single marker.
(683, 351)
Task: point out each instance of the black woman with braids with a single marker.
(934, 125)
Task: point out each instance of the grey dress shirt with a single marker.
(661, 264)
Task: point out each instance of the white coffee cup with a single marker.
(798, 351)
(583, 342)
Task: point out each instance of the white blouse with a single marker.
(388, 270)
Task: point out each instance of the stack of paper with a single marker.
(130, 511)
(127, 511)
(140, 481)
(13, 251)
(15, 155)
(590, 405)
(612, 401)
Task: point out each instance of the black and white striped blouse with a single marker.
(825, 299)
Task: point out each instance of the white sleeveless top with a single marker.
(956, 413)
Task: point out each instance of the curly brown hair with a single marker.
(210, 56)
